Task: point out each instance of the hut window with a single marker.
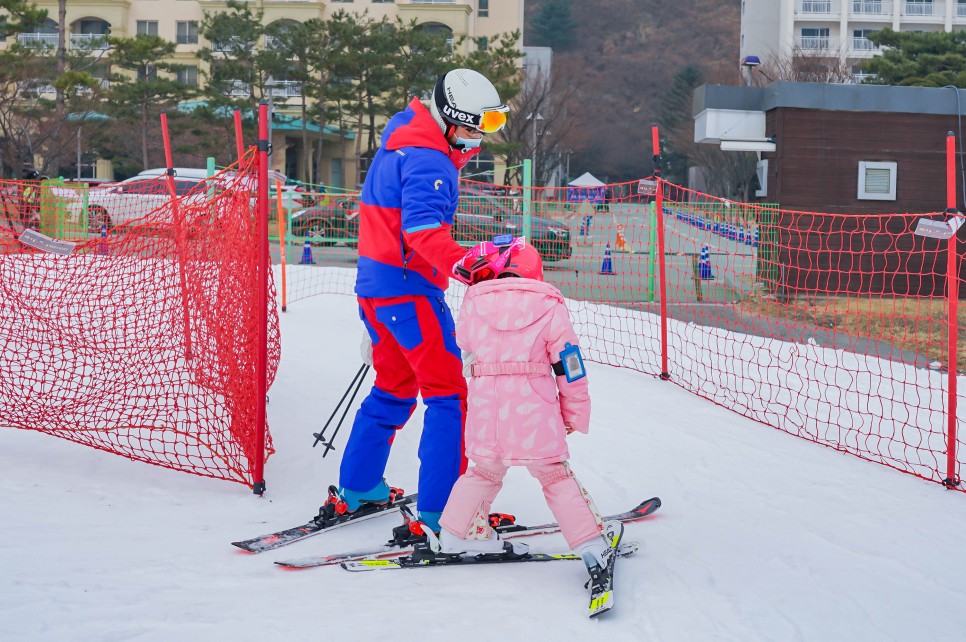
(877, 181)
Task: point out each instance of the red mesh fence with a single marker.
(140, 338)
(832, 327)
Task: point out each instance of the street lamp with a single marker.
(534, 117)
(751, 63)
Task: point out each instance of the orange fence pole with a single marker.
(239, 136)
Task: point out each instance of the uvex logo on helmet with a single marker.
(461, 116)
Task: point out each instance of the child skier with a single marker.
(519, 350)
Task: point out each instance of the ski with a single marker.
(602, 582)
(443, 559)
(313, 527)
(639, 512)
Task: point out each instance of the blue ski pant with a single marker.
(414, 352)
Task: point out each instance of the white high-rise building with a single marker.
(776, 29)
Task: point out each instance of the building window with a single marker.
(383, 1)
(188, 76)
(188, 32)
(877, 181)
(762, 174)
(150, 73)
(919, 7)
(483, 8)
(482, 44)
(815, 38)
(860, 40)
(147, 27)
(961, 8)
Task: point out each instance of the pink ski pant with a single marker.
(469, 502)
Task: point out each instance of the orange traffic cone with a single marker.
(619, 244)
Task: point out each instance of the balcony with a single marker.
(863, 44)
(858, 79)
(872, 9)
(89, 41)
(285, 89)
(818, 8)
(239, 89)
(42, 40)
(816, 43)
(923, 11)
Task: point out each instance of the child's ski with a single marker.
(602, 579)
(427, 559)
(316, 526)
(639, 512)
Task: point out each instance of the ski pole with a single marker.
(354, 386)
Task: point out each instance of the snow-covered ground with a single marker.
(762, 536)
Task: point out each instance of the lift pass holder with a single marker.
(573, 363)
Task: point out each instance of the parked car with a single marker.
(479, 217)
(337, 219)
(132, 199)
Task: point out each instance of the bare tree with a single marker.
(804, 65)
(543, 126)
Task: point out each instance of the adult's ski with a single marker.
(319, 524)
(443, 559)
(391, 549)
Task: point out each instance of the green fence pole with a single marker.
(527, 199)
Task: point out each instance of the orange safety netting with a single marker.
(134, 329)
(832, 327)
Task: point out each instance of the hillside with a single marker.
(624, 56)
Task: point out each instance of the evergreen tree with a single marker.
(675, 124)
(145, 93)
(553, 25)
(932, 59)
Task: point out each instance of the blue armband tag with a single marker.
(573, 363)
(502, 240)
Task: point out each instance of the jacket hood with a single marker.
(416, 127)
(515, 303)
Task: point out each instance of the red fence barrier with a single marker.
(832, 327)
(141, 339)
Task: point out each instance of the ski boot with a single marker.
(493, 545)
(343, 504)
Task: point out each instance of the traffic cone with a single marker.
(307, 255)
(704, 264)
(620, 245)
(102, 244)
(607, 267)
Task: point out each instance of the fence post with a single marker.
(527, 199)
(952, 294)
(662, 260)
(261, 304)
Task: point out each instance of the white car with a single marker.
(133, 199)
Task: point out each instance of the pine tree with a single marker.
(554, 26)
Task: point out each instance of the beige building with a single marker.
(777, 28)
(180, 20)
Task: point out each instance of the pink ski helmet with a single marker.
(523, 261)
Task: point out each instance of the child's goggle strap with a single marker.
(492, 119)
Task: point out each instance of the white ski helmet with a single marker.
(465, 97)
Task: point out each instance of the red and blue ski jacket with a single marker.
(406, 209)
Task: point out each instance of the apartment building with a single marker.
(179, 21)
(778, 28)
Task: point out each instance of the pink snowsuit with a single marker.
(511, 331)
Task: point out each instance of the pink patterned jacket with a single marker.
(513, 330)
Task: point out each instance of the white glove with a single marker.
(365, 348)
(468, 359)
